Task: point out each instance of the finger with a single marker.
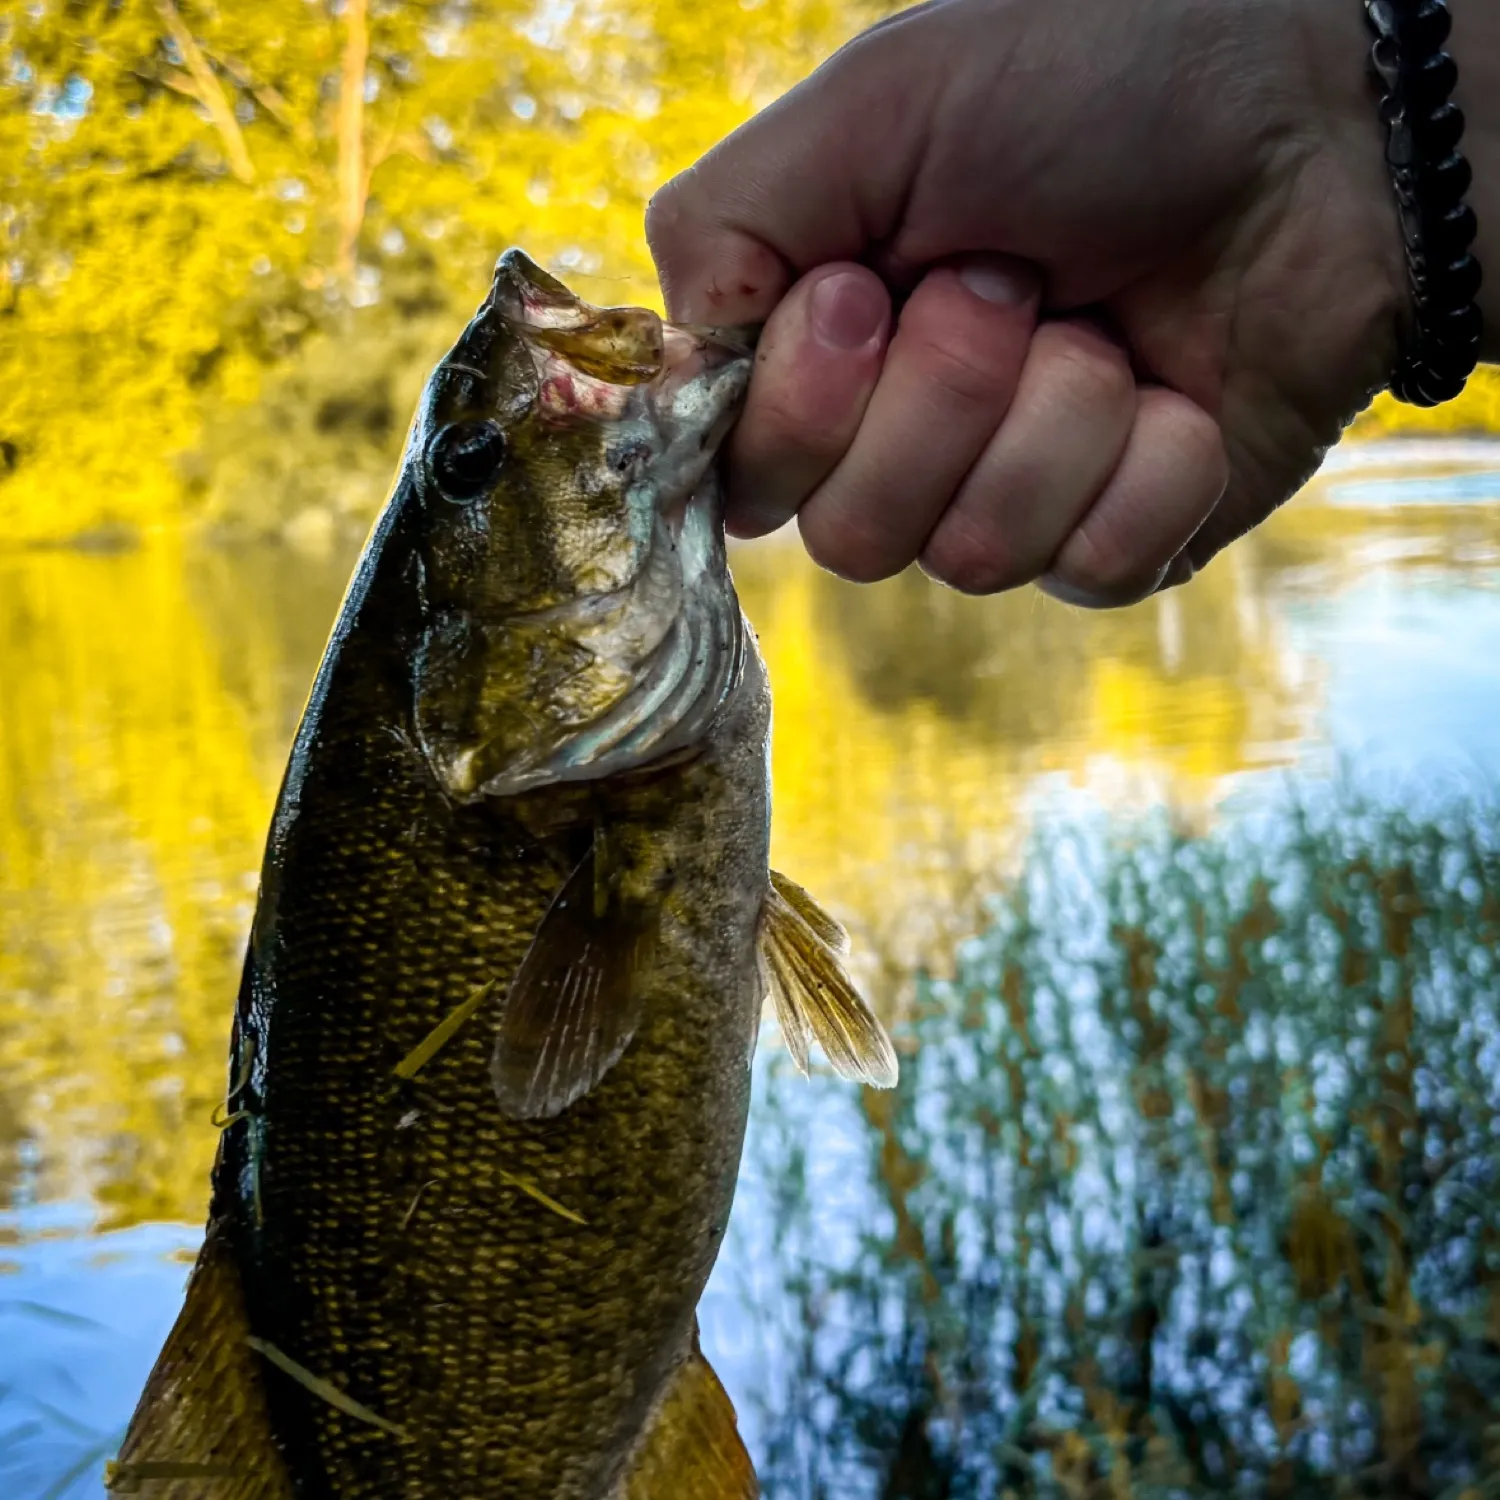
(815, 367)
(1168, 482)
(948, 378)
(1064, 434)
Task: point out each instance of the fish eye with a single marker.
(464, 457)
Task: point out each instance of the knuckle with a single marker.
(965, 372)
(844, 547)
(664, 211)
(779, 422)
(1088, 373)
(972, 558)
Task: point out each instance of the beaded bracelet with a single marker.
(1431, 178)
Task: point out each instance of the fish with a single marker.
(489, 1070)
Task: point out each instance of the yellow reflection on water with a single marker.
(147, 699)
(145, 704)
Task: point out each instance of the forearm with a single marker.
(1475, 46)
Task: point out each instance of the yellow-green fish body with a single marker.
(490, 1063)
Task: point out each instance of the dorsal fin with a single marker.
(201, 1430)
(816, 1000)
(692, 1445)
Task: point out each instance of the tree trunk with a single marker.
(209, 92)
(353, 181)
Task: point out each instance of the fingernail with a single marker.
(847, 311)
(1011, 283)
(1067, 593)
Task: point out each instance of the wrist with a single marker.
(1337, 44)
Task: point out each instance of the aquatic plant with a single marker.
(1190, 1185)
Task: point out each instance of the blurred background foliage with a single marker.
(233, 238)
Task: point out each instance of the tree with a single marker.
(194, 195)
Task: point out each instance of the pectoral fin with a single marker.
(576, 1000)
(815, 998)
(692, 1445)
(201, 1430)
(824, 926)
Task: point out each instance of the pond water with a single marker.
(1190, 1184)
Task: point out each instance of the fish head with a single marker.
(578, 617)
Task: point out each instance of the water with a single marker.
(147, 698)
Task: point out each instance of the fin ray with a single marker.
(576, 1000)
(802, 901)
(814, 995)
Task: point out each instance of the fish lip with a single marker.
(533, 301)
(520, 286)
(694, 411)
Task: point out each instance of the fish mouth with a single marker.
(615, 364)
(652, 661)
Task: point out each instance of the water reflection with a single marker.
(875, 1314)
(146, 701)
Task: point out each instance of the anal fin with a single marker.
(816, 1000)
(201, 1430)
(692, 1445)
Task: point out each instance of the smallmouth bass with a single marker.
(489, 1070)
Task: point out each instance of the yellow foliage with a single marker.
(192, 195)
(205, 205)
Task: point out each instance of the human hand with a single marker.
(1150, 262)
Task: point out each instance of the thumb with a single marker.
(820, 175)
(711, 272)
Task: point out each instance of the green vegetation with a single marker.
(1191, 1186)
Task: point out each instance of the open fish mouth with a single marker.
(634, 674)
(612, 364)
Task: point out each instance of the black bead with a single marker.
(1447, 235)
(1457, 330)
(1405, 388)
(1448, 181)
(1429, 85)
(1434, 387)
(1430, 177)
(1428, 29)
(1437, 133)
(1453, 285)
